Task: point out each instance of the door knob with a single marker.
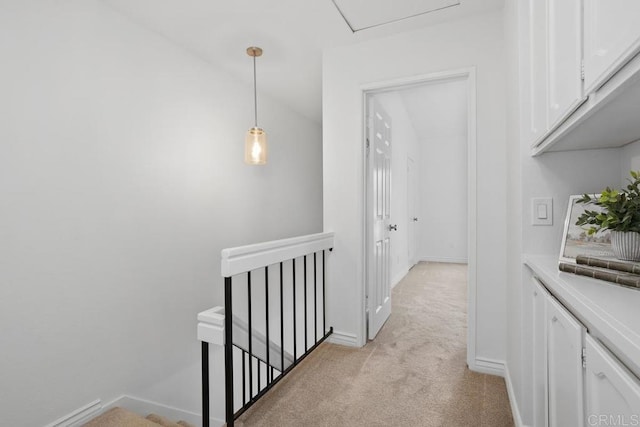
(393, 227)
(415, 219)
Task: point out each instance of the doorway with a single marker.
(410, 217)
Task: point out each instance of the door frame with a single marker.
(413, 260)
(468, 75)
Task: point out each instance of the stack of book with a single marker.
(613, 270)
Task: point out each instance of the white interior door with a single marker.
(412, 194)
(379, 227)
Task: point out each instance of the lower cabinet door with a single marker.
(565, 372)
(612, 392)
(539, 356)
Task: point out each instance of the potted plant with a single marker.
(620, 214)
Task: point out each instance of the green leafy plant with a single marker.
(621, 208)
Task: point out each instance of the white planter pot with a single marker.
(626, 245)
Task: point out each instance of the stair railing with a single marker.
(298, 266)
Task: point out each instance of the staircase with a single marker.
(119, 417)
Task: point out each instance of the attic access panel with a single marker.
(363, 14)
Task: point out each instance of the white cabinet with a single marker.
(612, 392)
(580, 73)
(611, 37)
(564, 47)
(564, 361)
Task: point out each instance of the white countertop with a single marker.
(610, 312)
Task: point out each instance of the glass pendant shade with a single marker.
(255, 147)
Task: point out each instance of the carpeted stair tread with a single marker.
(164, 422)
(119, 417)
(185, 424)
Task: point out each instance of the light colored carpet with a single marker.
(120, 417)
(413, 374)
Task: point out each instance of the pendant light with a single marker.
(255, 145)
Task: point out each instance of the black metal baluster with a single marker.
(244, 378)
(205, 384)
(249, 334)
(324, 300)
(228, 355)
(315, 300)
(266, 309)
(259, 375)
(295, 335)
(306, 347)
(281, 321)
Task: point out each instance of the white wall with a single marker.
(404, 144)
(630, 161)
(121, 179)
(440, 109)
(476, 41)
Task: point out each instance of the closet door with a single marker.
(612, 391)
(565, 372)
(611, 38)
(564, 46)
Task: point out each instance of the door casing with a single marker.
(469, 76)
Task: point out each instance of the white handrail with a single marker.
(250, 257)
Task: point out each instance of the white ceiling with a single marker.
(365, 14)
(292, 33)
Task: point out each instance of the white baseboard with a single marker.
(515, 411)
(80, 415)
(488, 366)
(343, 338)
(139, 406)
(145, 407)
(445, 259)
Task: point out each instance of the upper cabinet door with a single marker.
(564, 35)
(536, 78)
(612, 391)
(611, 38)
(564, 359)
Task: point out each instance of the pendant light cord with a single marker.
(255, 93)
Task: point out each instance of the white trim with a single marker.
(472, 227)
(447, 260)
(488, 366)
(343, 338)
(211, 326)
(404, 82)
(136, 405)
(79, 416)
(515, 410)
(468, 74)
(246, 258)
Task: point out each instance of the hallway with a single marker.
(413, 374)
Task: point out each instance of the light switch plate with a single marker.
(542, 211)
